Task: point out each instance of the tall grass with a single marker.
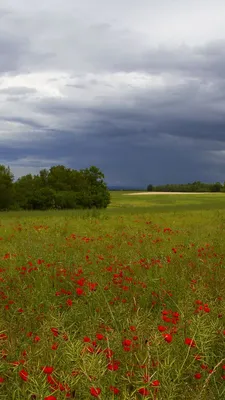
(125, 303)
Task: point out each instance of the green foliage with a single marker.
(216, 187)
(6, 187)
(197, 187)
(149, 188)
(57, 188)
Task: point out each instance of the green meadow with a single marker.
(168, 202)
(125, 303)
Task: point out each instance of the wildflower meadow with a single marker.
(125, 303)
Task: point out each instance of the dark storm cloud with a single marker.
(23, 121)
(191, 109)
(143, 109)
(125, 163)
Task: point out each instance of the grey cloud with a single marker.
(23, 121)
(72, 44)
(16, 46)
(199, 61)
(188, 111)
(77, 86)
(18, 90)
(11, 49)
(15, 94)
(137, 133)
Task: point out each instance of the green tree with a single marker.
(149, 188)
(94, 192)
(58, 178)
(6, 187)
(216, 187)
(24, 191)
(44, 198)
(59, 187)
(44, 175)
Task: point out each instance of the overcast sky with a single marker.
(135, 87)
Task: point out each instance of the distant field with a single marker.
(167, 202)
(172, 193)
(124, 303)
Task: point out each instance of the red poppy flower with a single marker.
(51, 380)
(55, 346)
(90, 349)
(114, 389)
(132, 328)
(55, 331)
(114, 366)
(79, 291)
(3, 336)
(190, 342)
(210, 371)
(156, 383)
(16, 363)
(143, 392)
(47, 370)
(92, 286)
(50, 398)
(198, 375)
(99, 336)
(127, 342)
(168, 337)
(126, 348)
(81, 281)
(23, 375)
(65, 337)
(162, 328)
(95, 392)
(86, 339)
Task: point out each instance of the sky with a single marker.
(135, 87)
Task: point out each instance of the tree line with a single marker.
(56, 188)
(197, 187)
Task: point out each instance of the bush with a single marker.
(58, 188)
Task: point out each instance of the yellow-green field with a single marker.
(124, 303)
(169, 202)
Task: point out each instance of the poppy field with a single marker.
(126, 303)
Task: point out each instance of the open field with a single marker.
(155, 203)
(125, 303)
(167, 193)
